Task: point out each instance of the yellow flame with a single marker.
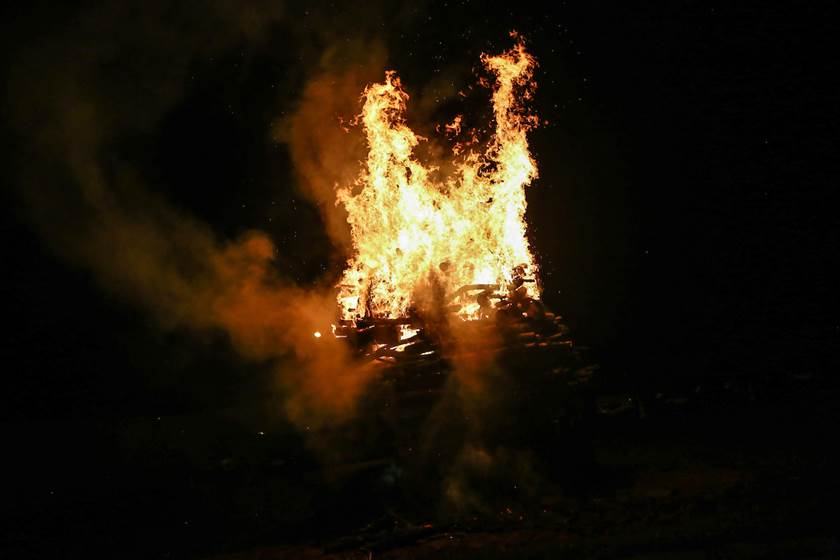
(410, 231)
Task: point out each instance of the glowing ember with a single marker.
(407, 332)
(411, 233)
(317, 334)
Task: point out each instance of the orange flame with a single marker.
(410, 231)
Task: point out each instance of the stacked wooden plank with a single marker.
(518, 331)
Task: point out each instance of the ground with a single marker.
(746, 475)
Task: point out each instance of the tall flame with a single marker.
(410, 231)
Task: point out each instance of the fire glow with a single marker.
(413, 233)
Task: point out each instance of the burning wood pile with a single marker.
(525, 386)
(513, 328)
(442, 292)
(411, 341)
(444, 256)
(533, 388)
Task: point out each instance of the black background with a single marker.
(685, 217)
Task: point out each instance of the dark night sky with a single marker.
(685, 220)
(685, 217)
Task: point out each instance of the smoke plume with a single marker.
(76, 96)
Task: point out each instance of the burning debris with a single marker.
(517, 334)
(523, 322)
(442, 274)
(441, 297)
(432, 256)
